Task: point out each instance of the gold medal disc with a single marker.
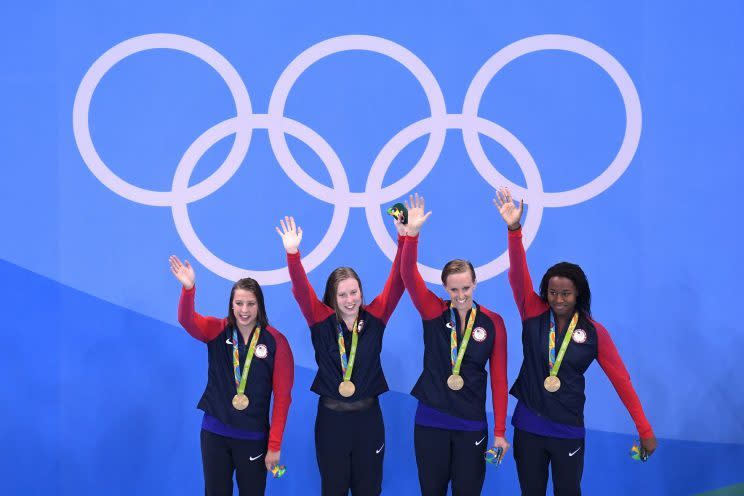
(455, 382)
(552, 383)
(346, 389)
(240, 402)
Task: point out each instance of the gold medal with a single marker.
(552, 383)
(240, 402)
(455, 382)
(346, 389)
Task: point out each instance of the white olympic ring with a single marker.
(374, 195)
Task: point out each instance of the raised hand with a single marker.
(416, 215)
(184, 272)
(291, 234)
(507, 208)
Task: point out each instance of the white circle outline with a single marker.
(599, 56)
(114, 55)
(340, 196)
(222, 130)
(456, 121)
(374, 44)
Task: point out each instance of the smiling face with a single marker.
(562, 296)
(460, 286)
(344, 294)
(348, 298)
(245, 308)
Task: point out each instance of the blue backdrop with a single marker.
(136, 129)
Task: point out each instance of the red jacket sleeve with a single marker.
(610, 361)
(528, 302)
(382, 307)
(202, 328)
(312, 308)
(282, 382)
(426, 302)
(497, 367)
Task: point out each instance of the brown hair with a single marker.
(251, 285)
(457, 266)
(338, 275)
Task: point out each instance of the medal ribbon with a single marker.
(348, 365)
(553, 362)
(240, 379)
(455, 355)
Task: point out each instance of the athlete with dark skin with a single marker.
(549, 425)
(562, 291)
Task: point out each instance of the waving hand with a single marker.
(291, 234)
(510, 212)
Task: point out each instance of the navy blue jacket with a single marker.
(272, 370)
(367, 375)
(487, 344)
(590, 341)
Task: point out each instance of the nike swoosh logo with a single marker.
(577, 450)
(378, 451)
(254, 458)
(478, 442)
(228, 341)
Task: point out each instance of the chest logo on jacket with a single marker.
(579, 336)
(261, 351)
(479, 334)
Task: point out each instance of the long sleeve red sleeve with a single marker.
(282, 381)
(426, 302)
(202, 328)
(610, 361)
(312, 308)
(528, 302)
(382, 307)
(497, 369)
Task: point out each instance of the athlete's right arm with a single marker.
(312, 308)
(426, 302)
(528, 302)
(202, 328)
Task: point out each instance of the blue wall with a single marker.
(101, 382)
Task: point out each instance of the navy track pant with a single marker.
(221, 456)
(534, 453)
(444, 455)
(350, 447)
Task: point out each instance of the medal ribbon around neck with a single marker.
(455, 354)
(553, 362)
(347, 366)
(240, 379)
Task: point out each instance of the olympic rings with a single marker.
(340, 196)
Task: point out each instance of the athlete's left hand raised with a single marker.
(416, 215)
(510, 212)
